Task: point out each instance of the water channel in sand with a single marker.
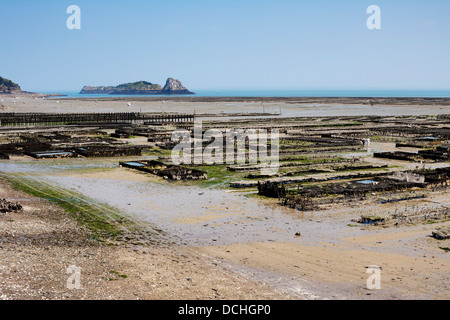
(191, 215)
(215, 221)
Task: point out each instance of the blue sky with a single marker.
(229, 44)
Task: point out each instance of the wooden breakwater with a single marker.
(55, 119)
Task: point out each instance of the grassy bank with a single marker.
(102, 221)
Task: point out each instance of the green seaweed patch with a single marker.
(118, 275)
(102, 221)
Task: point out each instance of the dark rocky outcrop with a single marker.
(6, 206)
(172, 86)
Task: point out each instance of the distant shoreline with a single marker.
(250, 106)
(318, 100)
(392, 101)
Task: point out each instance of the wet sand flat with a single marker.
(39, 244)
(340, 272)
(257, 239)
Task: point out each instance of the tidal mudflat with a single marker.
(311, 232)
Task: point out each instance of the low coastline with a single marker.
(287, 100)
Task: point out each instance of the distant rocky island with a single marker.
(172, 86)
